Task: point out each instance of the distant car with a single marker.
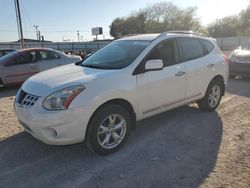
(239, 62)
(19, 65)
(5, 51)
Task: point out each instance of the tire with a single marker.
(212, 98)
(108, 129)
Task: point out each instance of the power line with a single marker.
(51, 31)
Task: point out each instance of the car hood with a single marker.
(47, 82)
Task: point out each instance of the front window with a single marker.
(116, 55)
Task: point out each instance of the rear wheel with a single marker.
(212, 98)
(108, 130)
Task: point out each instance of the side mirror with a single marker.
(154, 64)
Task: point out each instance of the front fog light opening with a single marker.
(52, 133)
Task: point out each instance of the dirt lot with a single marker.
(180, 148)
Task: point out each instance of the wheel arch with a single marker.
(219, 78)
(119, 101)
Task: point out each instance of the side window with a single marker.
(31, 57)
(208, 45)
(49, 55)
(191, 49)
(18, 60)
(166, 51)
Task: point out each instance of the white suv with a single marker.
(100, 99)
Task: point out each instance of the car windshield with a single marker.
(116, 55)
(7, 56)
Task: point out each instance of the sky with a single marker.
(60, 20)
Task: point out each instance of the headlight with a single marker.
(61, 99)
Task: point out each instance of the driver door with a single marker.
(162, 89)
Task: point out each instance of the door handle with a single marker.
(210, 65)
(180, 73)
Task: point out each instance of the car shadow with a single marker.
(236, 84)
(178, 148)
(8, 91)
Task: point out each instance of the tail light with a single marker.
(226, 58)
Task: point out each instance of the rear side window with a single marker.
(191, 48)
(208, 45)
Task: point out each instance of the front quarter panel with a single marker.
(118, 85)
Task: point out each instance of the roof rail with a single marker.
(182, 32)
(130, 35)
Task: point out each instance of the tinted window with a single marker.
(191, 49)
(20, 59)
(209, 46)
(31, 57)
(166, 51)
(49, 55)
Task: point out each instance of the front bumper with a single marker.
(54, 127)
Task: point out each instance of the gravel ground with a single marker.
(180, 148)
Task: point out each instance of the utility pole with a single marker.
(36, 26)
(19, 23)
(78, 35)
(39, 35)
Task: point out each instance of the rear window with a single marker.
(208, 45)
(191, 49)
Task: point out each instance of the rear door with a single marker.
(162, 89)
(49, 59)
(200, 68)
(20, 67)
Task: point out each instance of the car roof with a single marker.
(30, 49)
(151, 37)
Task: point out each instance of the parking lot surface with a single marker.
(180, 148)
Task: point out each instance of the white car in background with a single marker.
(17, 66)
(99, 100)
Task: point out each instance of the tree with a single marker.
(230, 26)
(116, 28)
(244, 18)
(124, 26)
(225, 27)
(157, 18)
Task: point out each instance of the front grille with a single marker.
(25, 99)
(21, 96)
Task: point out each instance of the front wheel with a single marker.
(108, 130)
(212, 98)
